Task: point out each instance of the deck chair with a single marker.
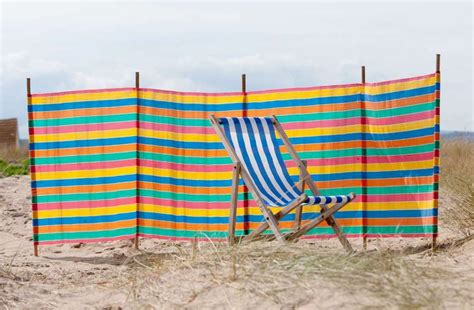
(252, 145)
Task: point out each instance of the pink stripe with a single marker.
(177, 129)
(85, 204)
(298, 125)
(85, 240)
(290, 163)
(104, 90)
(398, 197)
(231, 93)
(401, 235)
(84, 128)
(323, 123)
(281, 90)
(191, 204)
(400, 119)
(420, 77)
(204, 239)
(182, 93)
(85, 166)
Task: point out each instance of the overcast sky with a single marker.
(206, 46)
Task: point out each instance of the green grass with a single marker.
(13, 161)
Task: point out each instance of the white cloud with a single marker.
(206, 46)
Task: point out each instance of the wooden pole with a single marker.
(245, 114)
(364, 165)
(137, 86)
(28, 97)
(437, 146)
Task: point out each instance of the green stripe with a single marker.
(408, 150)
(299, 117)
(80, 120)
(204, 198)
(428, 229)
(85, 235)
(353, 230)
(85, 196)
(408, 189)
(84, 158)
(221, 234)
(422, 107)
(304, 155)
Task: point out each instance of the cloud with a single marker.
(207, 46)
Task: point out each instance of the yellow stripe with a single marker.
(193, 98)
(85, 211)
(400, 127)
(353, 206)
(167, 135)
(399, 205)
(226, 175)
(393, 87)
(87, 135)
(225, 212)
(79, 174)
(54, 99)
(288, 95)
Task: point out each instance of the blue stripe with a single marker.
(85, 181)
(85, 219)
(253, 136)
(316, 177)
(250, 105)
(401, 94)
(280, 162)
(289, 217)
(82, 105)
(245, 158)
(297, 140)
(82, 143)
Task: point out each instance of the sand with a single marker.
(395, 273)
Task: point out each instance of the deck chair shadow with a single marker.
(252, 145)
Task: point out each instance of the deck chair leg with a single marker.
(299, 209)
(233, 206)
(337, 230)
(315, 222)
(260, 229)
(272, 222)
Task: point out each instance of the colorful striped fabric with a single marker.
(98, 174)
(83, 153)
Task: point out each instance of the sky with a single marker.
(206, 46)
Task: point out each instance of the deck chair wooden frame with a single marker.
(271, 219)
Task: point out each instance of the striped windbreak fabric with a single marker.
(256, 146)
(113, 163)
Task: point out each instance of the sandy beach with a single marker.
(393, 272)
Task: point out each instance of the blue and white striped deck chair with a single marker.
(251, 143)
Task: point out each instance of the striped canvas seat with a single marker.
(257, 147)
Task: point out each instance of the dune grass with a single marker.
(457, 185)
(14, 161)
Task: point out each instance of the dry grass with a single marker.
(413, 277)
(457, 185)
(14, 155)
(296, 274)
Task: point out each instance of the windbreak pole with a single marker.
(137, 87)
(31, 157)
